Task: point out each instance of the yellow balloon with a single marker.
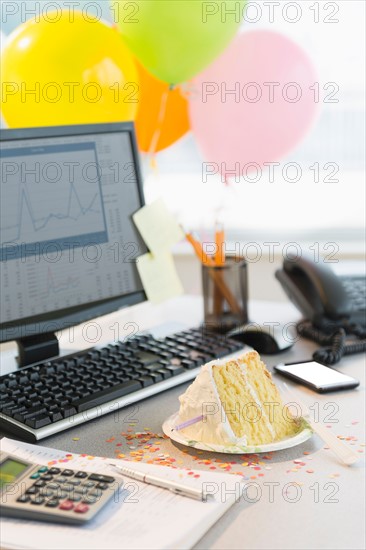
(67, 72)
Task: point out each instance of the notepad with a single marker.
(159, 277)
(158, 227)
(149, 518)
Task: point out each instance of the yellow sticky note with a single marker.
(158, 227)
(159, 277)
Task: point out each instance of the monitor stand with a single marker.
(33, 349)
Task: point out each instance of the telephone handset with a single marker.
(321, 297)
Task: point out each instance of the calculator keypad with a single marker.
(65, 490)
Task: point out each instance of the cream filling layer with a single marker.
(254, 395)
(191, 405)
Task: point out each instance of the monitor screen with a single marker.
(68, 245)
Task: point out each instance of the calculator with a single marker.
(34, 491)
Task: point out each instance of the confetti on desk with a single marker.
(155, 448)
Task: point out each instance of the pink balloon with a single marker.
(253, 104)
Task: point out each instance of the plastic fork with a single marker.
(343, 452)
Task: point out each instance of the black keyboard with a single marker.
(46, 398)
(355, 287)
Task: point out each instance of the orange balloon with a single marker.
(162, 117)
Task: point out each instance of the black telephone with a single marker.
(331, 312)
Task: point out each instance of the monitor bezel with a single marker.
(62, 319)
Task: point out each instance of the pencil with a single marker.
(219, 261)
(200, 253)
(220, 244)
(215, 275)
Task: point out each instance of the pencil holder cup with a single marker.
(225, 294)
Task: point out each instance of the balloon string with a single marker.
(160, 122)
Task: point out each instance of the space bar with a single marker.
(104, 396)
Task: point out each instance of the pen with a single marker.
(175, 487)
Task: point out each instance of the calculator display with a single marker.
(9, 471)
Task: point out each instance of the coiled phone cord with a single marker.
(333, 336)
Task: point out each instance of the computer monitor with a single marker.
(68, 244)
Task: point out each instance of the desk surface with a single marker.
(302, 498)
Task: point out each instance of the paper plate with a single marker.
(304, 433)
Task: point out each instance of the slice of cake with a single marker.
(239, 402)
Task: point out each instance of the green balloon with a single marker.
(176, 39)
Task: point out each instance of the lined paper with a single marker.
(143, 516)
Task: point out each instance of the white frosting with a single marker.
(202, 398)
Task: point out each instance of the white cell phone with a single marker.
(316, 376)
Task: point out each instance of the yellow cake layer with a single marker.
(252, 402)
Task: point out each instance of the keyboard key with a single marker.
(33, 395)
(165, 373)
(62, 402)
(74, 396)
(68, 411)
(106, 395)
(122, 377)
(56, 416)
(166, 354)
(34, 411)
(7, 405)
(187, 364)
(14, 411)
(105, 385)
(153, 367)
(146, 358)
(146, 381)
(156, 377)
(38, 421)
(175, 369)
